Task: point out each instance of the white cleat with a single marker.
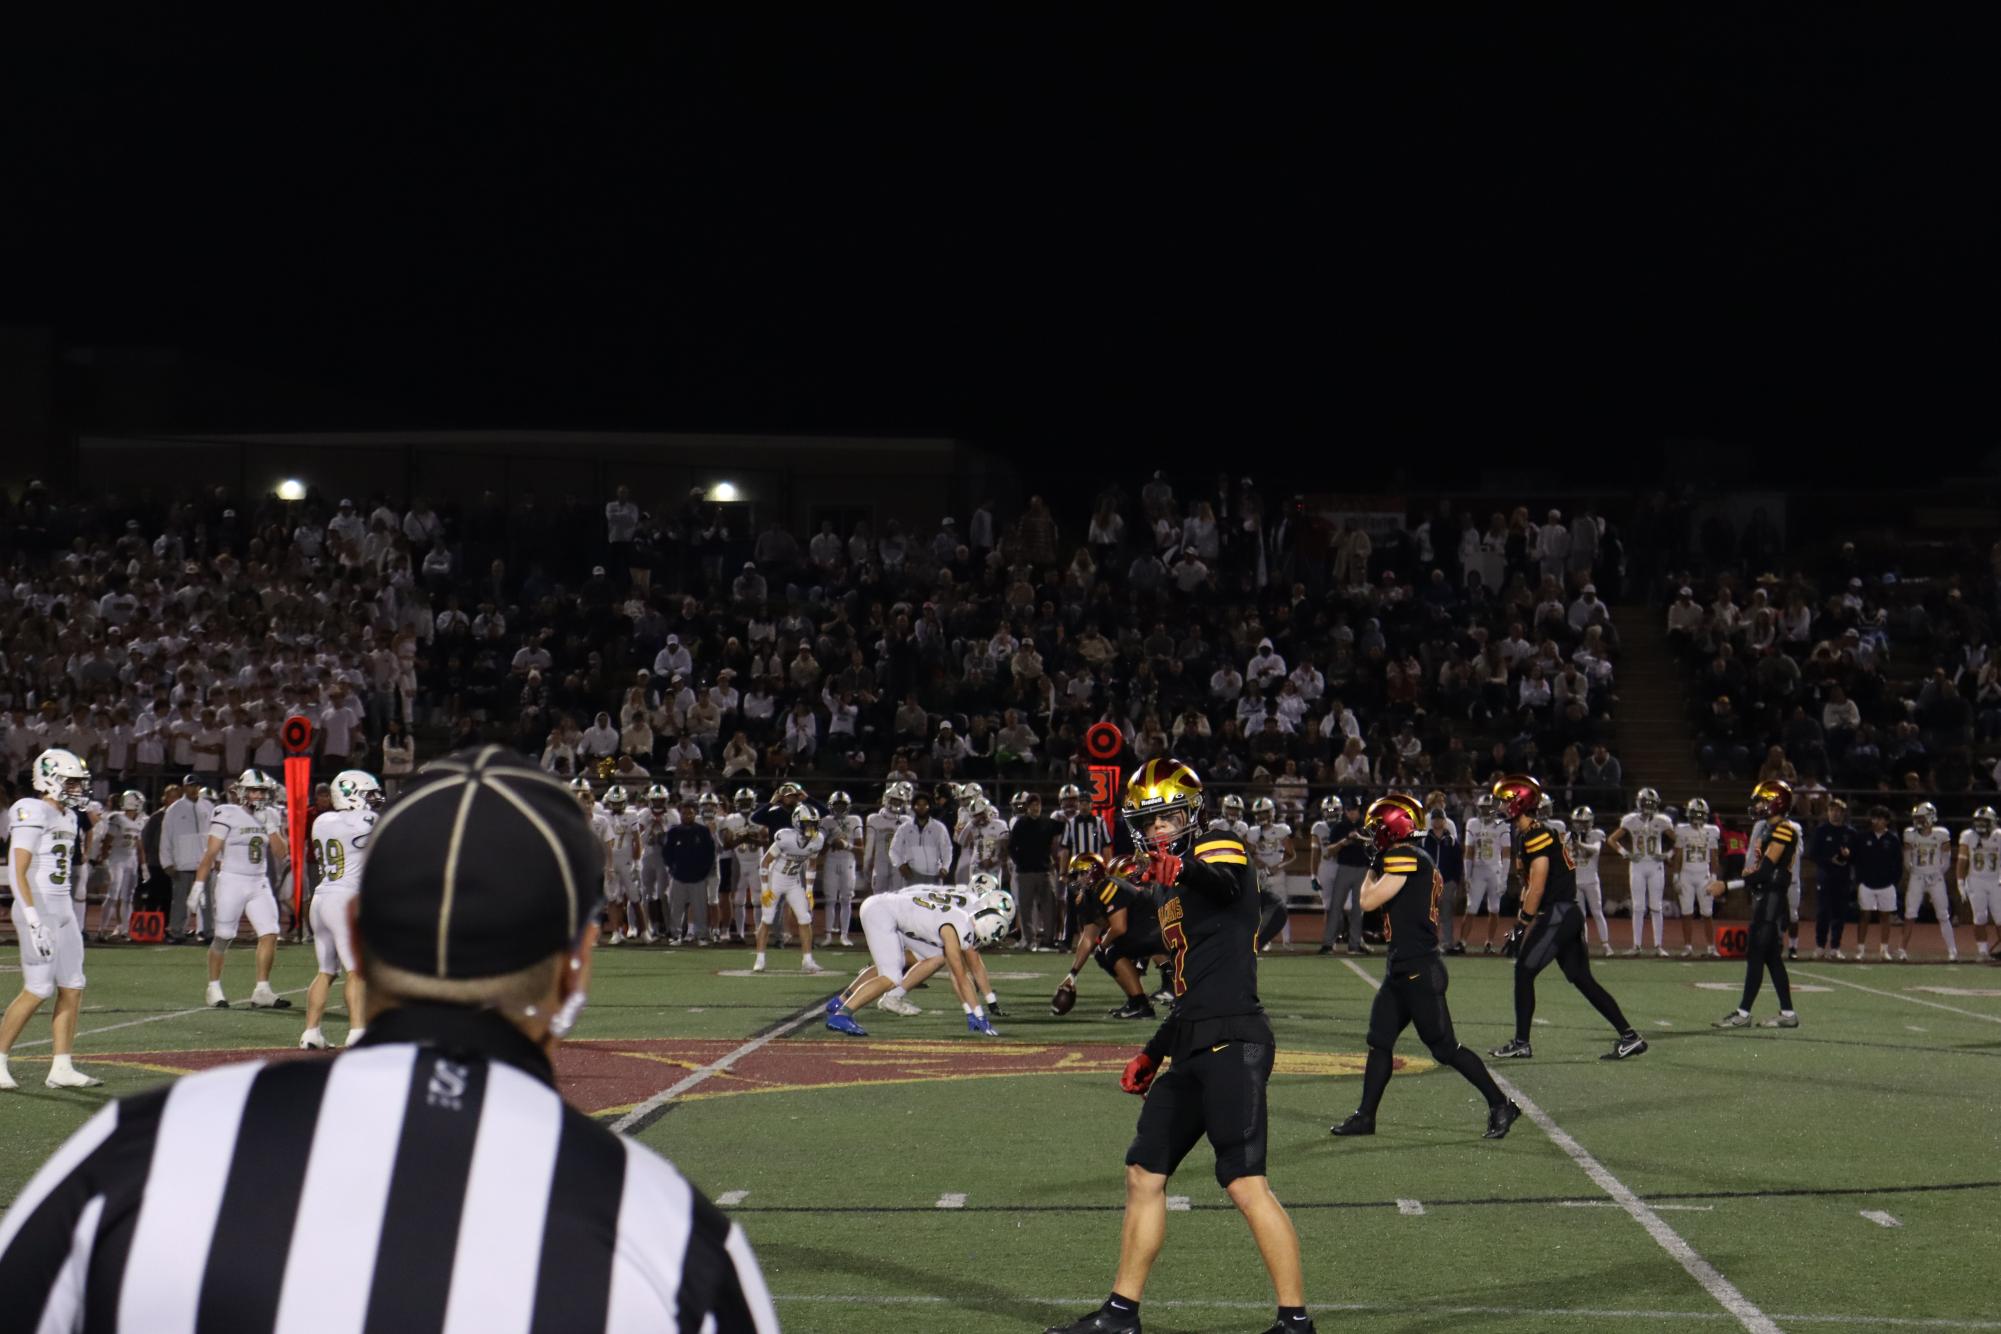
(213, 997)
(70, 1079)
(897, 1005)
(353, 1036)
(264, 998)
(614, 939)
(1660, 952)
(810, 968)
(847, 944)
(758, 967)
(1688, 951)
(1609, 951)
(1633, 953)
(1886, 954)
(1903, 956)
(312, 1040)
(7, 1084)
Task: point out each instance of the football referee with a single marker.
(429, 1178)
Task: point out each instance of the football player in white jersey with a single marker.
(745, 838)
(1270, 846)
(118, 846)
(1979, 875)
(964, 795)
(722, 880)
(628, 831)
(1927, 851)
(878, 831)
(236, 870)
(43, 861)
(601, 829)
(653, 820)
(789, 870)
(340, 843)
(1587, 845)
(843, 830)
(1490, 845)
(982, 840)
(1696, 844)
(911, 934)
(1229, 819)
(1645, 838)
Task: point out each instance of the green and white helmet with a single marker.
(354, 789)
(254, 789)
(60, 776)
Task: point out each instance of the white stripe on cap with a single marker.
(534, 817)
(346, 1184)
(452, 848)
(499, 1257)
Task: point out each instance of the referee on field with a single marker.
(430, 1178)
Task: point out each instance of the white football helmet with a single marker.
(132, 802)
(983, 883)
(708, 806)
(1582, 820)
(1647, 800)
(993, 914)
(806, 820)
(615, 799)
(1330, 808)
(355, 788)
(1264, 810)
(839, 803)
(61, 776)
(1545, 809)
(746, 800)
(1983, 821)
(1924, 815)
(1018, 804)
(979, 808)
(253, 789)
(659, 798)
(1698, 811)
(581, 786)
(971, 792)
(1233, 807)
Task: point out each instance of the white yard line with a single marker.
(1177, 1204)
(1658, 1208)
(1898, 995)
(1601, 1314)
(1720, 1288)
(1881, 1219)
(149, 1019)
(952, 1199)
(1410, 1208)
(715, 1067)
(730, 1198)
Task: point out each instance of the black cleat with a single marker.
(1100, 1321)
(1138, 1007)
(1499, 1119)
(1325, 949)
(1456, 947)
(1517, 1049)
(1293, 1327)
(1356, 1124)
(994, 1007)
(1630, 1044)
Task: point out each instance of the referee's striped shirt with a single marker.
(429, 1179)
(1083, 832)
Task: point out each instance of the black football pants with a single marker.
(1413, 996)
(1558, 937)
(1767, 950)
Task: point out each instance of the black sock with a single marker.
(1123, 1305)
(1375, 1078)
(1292, 1315)
(1469, 1065)
(1524, 1003)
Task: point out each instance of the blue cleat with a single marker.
(845, 1023)
(834, 1005)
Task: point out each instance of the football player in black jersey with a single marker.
(1768, 882)
(1550, 927)
(1402, 880)
(1217, 1040)
(1118, 924)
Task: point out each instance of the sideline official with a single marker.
(430, 1178)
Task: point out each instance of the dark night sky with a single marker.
(1401, 227)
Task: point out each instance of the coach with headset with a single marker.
(431, 1177)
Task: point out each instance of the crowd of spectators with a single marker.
(1276, 649)
(1863, 673)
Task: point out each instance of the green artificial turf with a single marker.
(1761, 1149)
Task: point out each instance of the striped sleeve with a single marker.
(681, 1263)
(76, 1208)
(1399, 865)
(1224, 850)
(1782, 832)
(1538, 842)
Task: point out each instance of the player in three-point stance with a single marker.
(1403, 880)
(911, 933)
(1550, 927)
(1768, 878)
(1118, 923)
(1217, 1039)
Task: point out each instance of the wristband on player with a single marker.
(29, 913)
(1523, 918)
(1070, 979)
(1733, 884)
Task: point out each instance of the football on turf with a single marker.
(1063, 1000)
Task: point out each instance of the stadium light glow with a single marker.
(724, 492)
(291, 489)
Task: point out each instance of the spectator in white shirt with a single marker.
(826, 547)
(1553, 546)
(1588, 610)
(340, 726)
(1226, 683)
(1310, 683)
(1351, 766)
(739, 758)
(673, 658)
(600, 739)
(802, 732)
(422, 524)
(1266, 666)
(621, 518)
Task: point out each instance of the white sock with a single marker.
(59, 1065)
(808, 957)
(1787, 1013)
(894, 993)
(1660, 927)
(760, 956)
(354, 1036)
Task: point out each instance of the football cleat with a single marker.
(266, 999)
(1100, 1321)
(1137, 1007)
(1783, 1020)
(810, 968)
(1499, 1119)
(834, 1005)
(845, 1023)
(898, 1005)
(70, 1079)
(1164, 996)
(1356, 1124)
(312, 1040)
(1516, 1049)
(1734, 1019)
(214, 997)
(1293, 1327)
(1629, 1044)
(994, 1007)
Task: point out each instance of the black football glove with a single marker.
(1513, 946)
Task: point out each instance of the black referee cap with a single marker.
(483, 866)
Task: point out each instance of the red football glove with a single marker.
(1138, 1077)
(1162, 868)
